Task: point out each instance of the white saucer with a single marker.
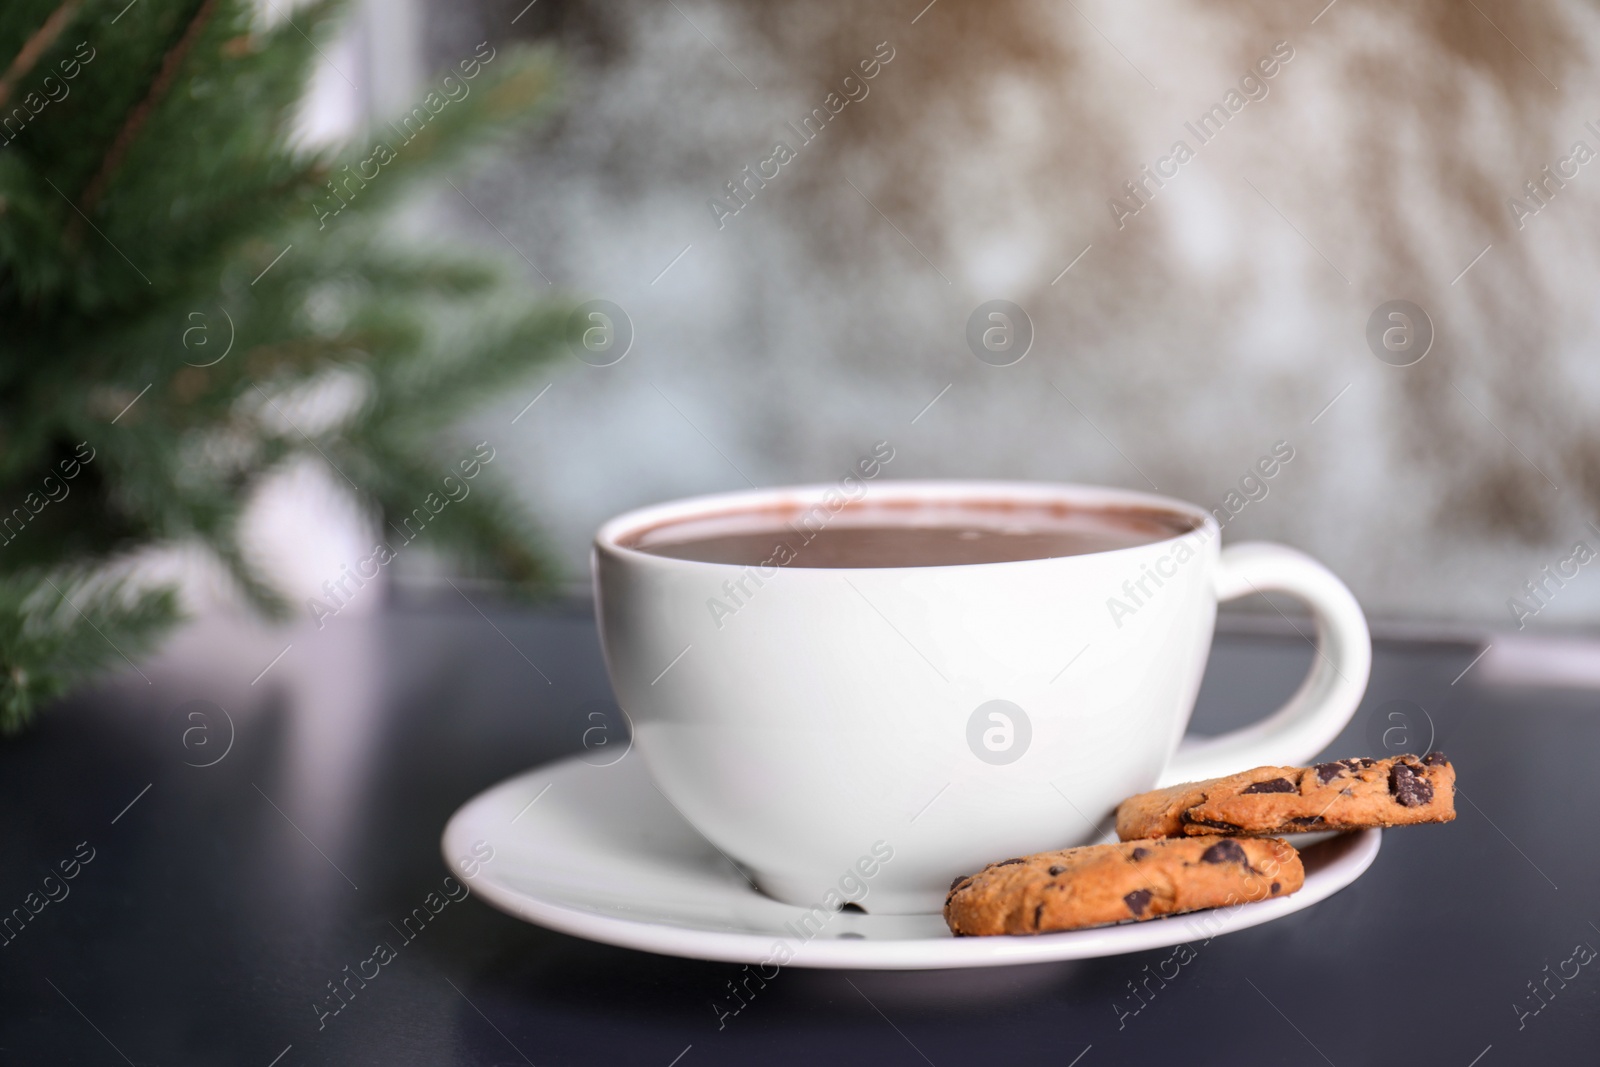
(597, 852)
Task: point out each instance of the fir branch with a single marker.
(205, 189)
(36, 45)
(165, 76)
(57, 629)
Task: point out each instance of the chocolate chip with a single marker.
(1276, 887)
(956, 882)
(1225, 852)
(1139, 853)
(1436, 759)
(1215, 824)
(1037, 911)
(1057, 869)
(1363, 761)
(1273, 785)
(1307, 820)
(1137, 901)
(1327, 772)
(1410, 789)
(1007, 863)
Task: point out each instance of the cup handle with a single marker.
(1327, 698)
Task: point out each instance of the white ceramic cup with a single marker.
(955, 714)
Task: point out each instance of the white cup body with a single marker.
(828, 717)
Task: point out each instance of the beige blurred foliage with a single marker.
(1218, 320)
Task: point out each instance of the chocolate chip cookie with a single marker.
(1351, 794)
(1101, 884)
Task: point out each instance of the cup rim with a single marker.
(608, 538)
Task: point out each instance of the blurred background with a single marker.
(1144, 245)
(1174, 342)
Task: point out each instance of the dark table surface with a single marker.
(238, 838)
